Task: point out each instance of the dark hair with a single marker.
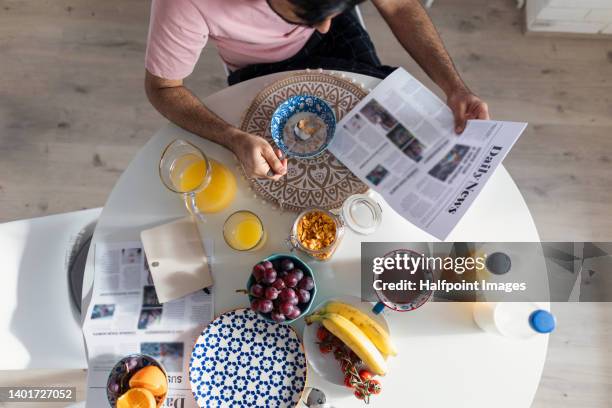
(315, 11)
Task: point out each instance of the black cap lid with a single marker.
(498, 263)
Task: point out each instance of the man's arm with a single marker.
(415, 31)
(183, 108)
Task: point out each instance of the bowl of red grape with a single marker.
(281, 288)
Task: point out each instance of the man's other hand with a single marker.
(465, 105)
(258, 157)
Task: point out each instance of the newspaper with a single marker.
(125, 317)
(400, 140)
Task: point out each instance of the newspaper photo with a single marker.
(400, 141)
(125, 317)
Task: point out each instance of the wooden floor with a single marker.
(73, 113)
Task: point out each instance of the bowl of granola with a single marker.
(303, 126)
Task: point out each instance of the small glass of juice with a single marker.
(207, 186)
(244, 231)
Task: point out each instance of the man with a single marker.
(257, 37)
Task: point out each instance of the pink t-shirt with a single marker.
(244, 31)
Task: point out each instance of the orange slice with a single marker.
(152, 378)
(137, 398)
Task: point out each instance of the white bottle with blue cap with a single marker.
(519, 320)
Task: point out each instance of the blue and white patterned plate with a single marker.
(286, 116)
(241, 360)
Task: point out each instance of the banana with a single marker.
(354, 338)
(374, 331)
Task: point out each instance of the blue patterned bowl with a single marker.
(241, 360)
(305, 308)
(298, 105)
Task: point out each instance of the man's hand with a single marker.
(465, 105)
(415, 31)
(182, 107)
(258, 157)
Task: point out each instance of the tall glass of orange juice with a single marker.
(244, 231)
(207, 186)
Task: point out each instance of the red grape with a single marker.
(295, 313)
(286, 264)
(257, 290)
(131, 363)
(278, 317)
(287, 294)
(269, 276)
(267, 265)
(279, 284)
(298, 273)
(255, 305)
(114, 387)
(291, 280)
(271, 293)
(258, 272)
(307, 283)
(302, 295)
(286, 308)
(265, 306)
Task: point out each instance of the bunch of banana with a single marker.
(362, 334)
(370, 327)
(354, 338)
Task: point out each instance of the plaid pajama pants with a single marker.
(345, 47)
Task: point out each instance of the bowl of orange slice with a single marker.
(137, 381)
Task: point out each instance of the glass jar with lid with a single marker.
(318, 232)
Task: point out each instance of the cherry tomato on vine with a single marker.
(360, 394)
(325, 348)
(339, 354)
(348, 381)
(365, 375)
(337, 342)
(322, 333)
(374, 387)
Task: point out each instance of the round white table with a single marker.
(444, 359)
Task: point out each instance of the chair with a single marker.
(40, 325)
(360, 17)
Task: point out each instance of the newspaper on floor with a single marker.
(400, 140)
(125, 317)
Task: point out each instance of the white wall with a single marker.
(570, 16)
